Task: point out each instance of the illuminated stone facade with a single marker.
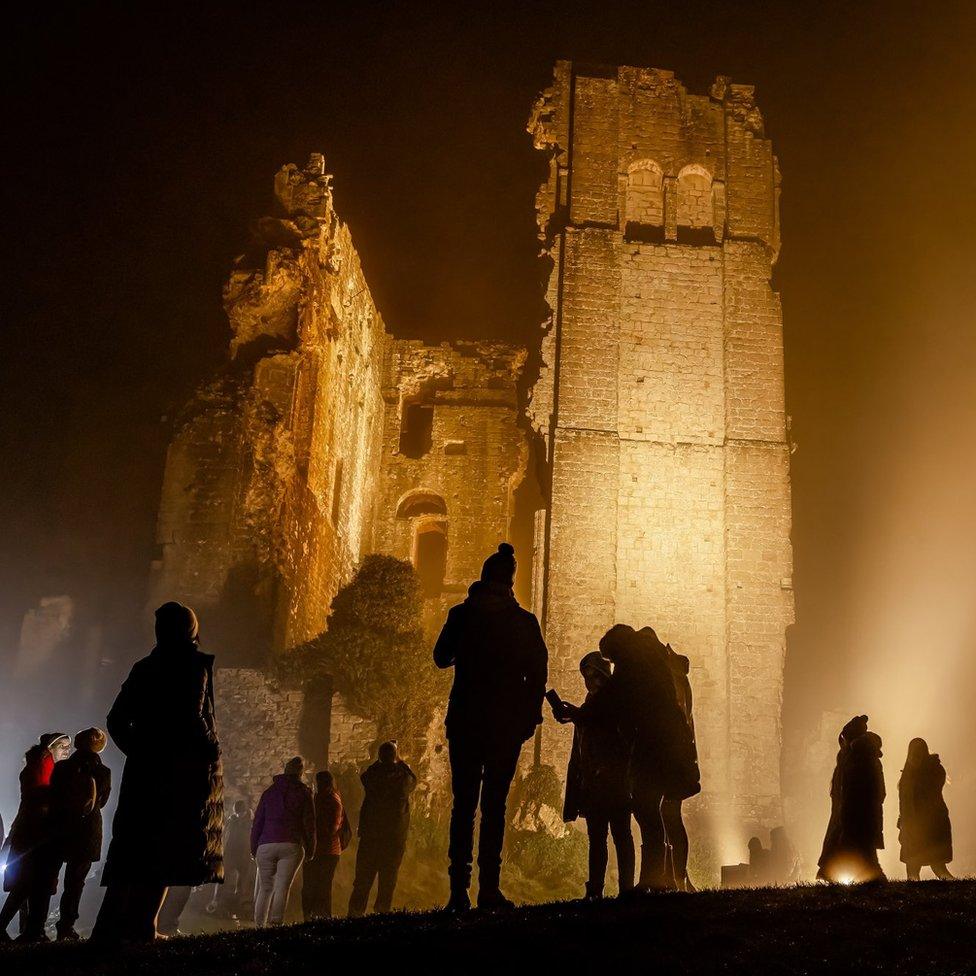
(661, 402)
(658, 405)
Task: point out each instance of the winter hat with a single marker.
(176, 623)
(50, 739)
(91, 740)
(499, 567)
(295, 766)
(595, 661)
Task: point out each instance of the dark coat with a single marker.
(597, 781)
(31, 825)
(237, 840)
(663, 756)
(862, 786)
(385, 813)
(78, 835)
(680, 666)
(854, 729)
(923, 817)
(330, 815)
(285, 815)
(169, 823)
(500, 666)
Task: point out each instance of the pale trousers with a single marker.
(277, 866)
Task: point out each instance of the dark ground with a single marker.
(893, 929)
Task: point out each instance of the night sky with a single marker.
(142, 141)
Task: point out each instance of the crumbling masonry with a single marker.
(661, 401)
(658, 411)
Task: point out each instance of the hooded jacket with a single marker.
(500, 666)
(31, 824)
(285, 815)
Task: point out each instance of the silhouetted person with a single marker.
(30, 874)
(674, 827)
(662, 751)
(282, 836)
(784, 862)
(80, 788)
(331, 825)
(854, 729)
(861, 833)
(168, 828)
(238, 886)
(923, 817)
(500, 669)
(759, 866)
(597, 781)
(384, 822)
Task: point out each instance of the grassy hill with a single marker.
(898, 929)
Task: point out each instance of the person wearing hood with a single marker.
(861, 833)
(853, 730)
(282, 836)
(500, 666)
(924, 830)
(674, 827)
(168, 826)
(597, 785)
(384, 823)
(80, 787)
(30, 874)
(662, 750)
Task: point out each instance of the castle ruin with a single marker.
(656, 408)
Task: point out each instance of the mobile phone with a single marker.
(554, 700)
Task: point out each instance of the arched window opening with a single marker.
(416, 429)
(430, 558)
(696, 216)
(644, 203)
(421, 503)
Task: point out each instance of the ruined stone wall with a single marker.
(259, 722)
(661, 402)
(287, 469)
(464, 483)
(270, 478)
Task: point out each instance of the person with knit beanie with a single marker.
(500, 666)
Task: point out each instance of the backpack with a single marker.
(345, 832)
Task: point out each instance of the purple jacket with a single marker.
(285, 815)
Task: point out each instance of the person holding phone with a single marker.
(597, 784)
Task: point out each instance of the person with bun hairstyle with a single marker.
(80, 787)
(500, 666)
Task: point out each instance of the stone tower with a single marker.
(661, 405)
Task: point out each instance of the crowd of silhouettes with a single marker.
(633, 757)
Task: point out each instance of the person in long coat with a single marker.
(662, 751)
(597, 781)
(30, 874)
(924, 830)
(169, 823)
(861, 833)
(855, 728)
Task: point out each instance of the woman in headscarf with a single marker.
(168, 828)
(855, 728)
(923, 817)
(29, 873)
